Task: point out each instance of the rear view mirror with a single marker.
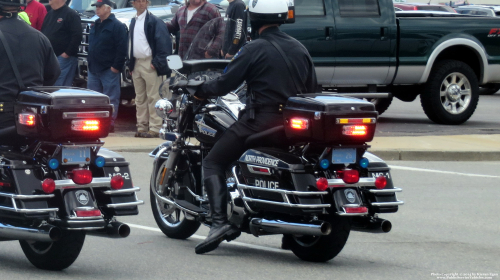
(174, 62)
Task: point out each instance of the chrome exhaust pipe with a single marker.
(373, 225)
(45, 233)
(263, 226)
(112, 230)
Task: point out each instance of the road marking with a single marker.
(440, 171)
(203, 237)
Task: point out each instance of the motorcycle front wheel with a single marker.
(322, 248)
(56, 255)
(171, 220)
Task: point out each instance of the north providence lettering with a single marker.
(261, 160)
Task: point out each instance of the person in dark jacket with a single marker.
(150, 45)
(32, 54)
(236, 26)
(264, 69)
(62, 25)
(107, 53)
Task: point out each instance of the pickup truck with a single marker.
(363, 45)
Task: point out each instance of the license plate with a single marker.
(344, 155)
(75, 155)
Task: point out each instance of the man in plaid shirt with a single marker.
(189, 19)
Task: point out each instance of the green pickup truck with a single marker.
(364, 46)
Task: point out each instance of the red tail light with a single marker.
(349, 176)
(355, 130)
(380, 182)
(88, 213)
(117, 182)
(82, 176)
(356, 210)
(48, 185)
(85, 125)
(4, 184)
(27, 119)
(300, 124)
(322, 184)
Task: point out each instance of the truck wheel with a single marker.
(171, 220)
(56, 255)
(381, 104)
(451, 94)
(322, 248)
(489, 89)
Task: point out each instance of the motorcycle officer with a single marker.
(263, 67)
(34, 59)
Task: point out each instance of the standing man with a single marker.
(37, 12)
(37, 65)
(188, 20)
(63, 27)
(107, 53)
(150, 45)
(235, 35)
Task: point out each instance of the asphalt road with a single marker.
(449, 224)
(401, 119)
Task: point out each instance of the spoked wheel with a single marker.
(56, 255)
(451, 93)
(325, 247)
(171, 220)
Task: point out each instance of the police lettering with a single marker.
(261, 160)
(266, 184)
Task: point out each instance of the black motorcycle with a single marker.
(57, 183)
(310, 179)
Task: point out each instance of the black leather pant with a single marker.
(232, 143)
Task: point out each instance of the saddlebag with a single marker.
(329, 120)
(54, 114)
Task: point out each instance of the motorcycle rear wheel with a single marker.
(56, 255)
(171, 221)
(322, 248)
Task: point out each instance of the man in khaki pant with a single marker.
(149, 47)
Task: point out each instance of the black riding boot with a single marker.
(221, 228)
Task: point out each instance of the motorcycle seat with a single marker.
(273, 137)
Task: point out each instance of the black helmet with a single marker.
(13, 3)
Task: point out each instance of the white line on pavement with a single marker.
(203, 237)
(440, 171)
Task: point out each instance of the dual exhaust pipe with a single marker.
(49, 233)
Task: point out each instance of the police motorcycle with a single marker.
(311, 179)
(57, 183)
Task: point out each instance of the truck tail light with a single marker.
(85, 125)
(27, 119)
(299, 124)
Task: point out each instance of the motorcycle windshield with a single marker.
(216, 38)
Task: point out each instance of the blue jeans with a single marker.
(108, 83)
(68, 70)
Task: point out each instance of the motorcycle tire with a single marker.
(56, 255)
(171, 224)
(322, 248)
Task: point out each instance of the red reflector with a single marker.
(380, 182)
(85, 125)
(262, 170)
(82, 176)
(355, 130)
(88, 213)
(322, 184)
(357, 210)
(300, 124)
(48, 185)
(27, 119)
(4, 184)
(350, 176)
(117, 182)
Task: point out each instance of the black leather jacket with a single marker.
(35, 60)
